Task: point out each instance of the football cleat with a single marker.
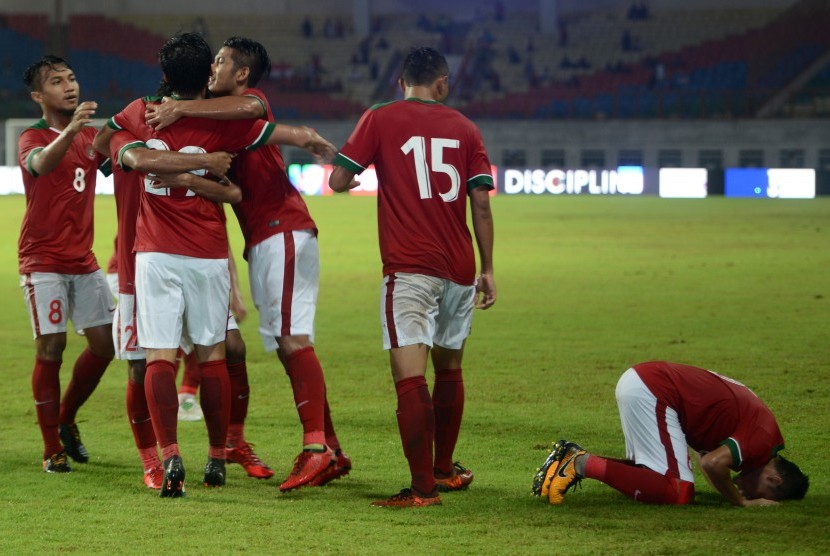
(408, 499)
(339, 467)
(459, 480)
(189, 408)
(172, 485)
(154, 477)
(557, 450)
(57, 463)
(214, 473)
(565, 477)
(308, 465)
(71, 440)
(244, 455)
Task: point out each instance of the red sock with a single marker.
(240, 393)
(162, 403)
(139, 416)
(46, 389)
(331, 436)
(88, 370)
(216, 404)
(192, 374)
(448, 403)
(309, 388)
(640, 483)
(416, 422)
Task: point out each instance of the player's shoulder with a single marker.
(38, 125)
(381, 105)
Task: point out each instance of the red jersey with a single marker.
(178, 221)
(127, 188)
(270, 204)
(715, 410)
(427, 157)
(57, 230)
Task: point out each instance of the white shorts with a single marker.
(181, 296)
(53, 299)
(112, 282)
(187, 346)
(125, 330)
(653, 436)
(420, 309)
(284, 271)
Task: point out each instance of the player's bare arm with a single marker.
(101, 143)
(237, 301)
(305, 138)
(154, 161)
(342, 180)
(50, 157)
(218, 192)
(716, 466)
(483, 228)
(170, 110)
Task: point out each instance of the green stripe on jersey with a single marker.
(348, 164)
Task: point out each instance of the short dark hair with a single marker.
(31, 77)
(794, 483)
(185, 60)
(247, 53)
(423, 65)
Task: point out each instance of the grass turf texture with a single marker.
(587, 287)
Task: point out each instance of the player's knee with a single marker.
(235, 349)
(51, 347)
(136, 370)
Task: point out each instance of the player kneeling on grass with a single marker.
(663, 408)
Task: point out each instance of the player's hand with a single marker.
(759, 502)
(82, 116)
(485, 291)
(238, 305)
(162, 115)
(322, 149)
(219, 163)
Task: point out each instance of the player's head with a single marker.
(794, 483)
(779, 479)
(426, 67)
(248, 53)
(52, 84)
(185, 60)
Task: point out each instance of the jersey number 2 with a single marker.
(417, 146)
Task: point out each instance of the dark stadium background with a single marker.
(552, 83)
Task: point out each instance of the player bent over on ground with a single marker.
(429, 159)
(60, 277)
(665, 408)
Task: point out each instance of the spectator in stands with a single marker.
(382, 43)
(562, 28)
(513, 55)
(424, 23)
(307, 28)
(498, 11)
(628, 42)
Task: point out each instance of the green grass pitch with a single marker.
(587, 287)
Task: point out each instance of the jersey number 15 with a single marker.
(417, 146)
